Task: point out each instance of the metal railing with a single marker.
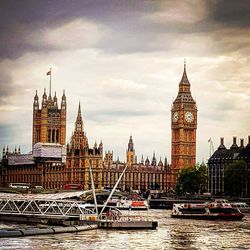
(45, 207)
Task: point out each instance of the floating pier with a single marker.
(40, 231)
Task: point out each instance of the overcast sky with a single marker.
(123, 61)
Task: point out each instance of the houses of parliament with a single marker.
(53, 164)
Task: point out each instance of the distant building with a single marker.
(140, 176)
(44, 167)
(220, 159)
(80, 156)
(184, 125)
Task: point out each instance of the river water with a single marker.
(171, 234)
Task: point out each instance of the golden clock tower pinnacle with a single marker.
(183, 125)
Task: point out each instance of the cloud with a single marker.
(230, 13)
(123, 61)
(76, 34)
(183, 12)
(7, 88)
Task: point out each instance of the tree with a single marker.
(192, 180)
(235, 178)
(202, 176)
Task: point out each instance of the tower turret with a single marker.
(165, 162)
(36, 102)
(101, 147)
(160, 163)
(130, 152)
(63, 118)
(142, 160)
(153, 163)
(130, 144)
(44, 101)
(55, 101)
(63, 102)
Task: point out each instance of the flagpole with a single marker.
(50, 82)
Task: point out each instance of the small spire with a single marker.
(36, 96)
(79, 108)
(142, 160)
(55, 98)
(165, 162)
(160, 162)
(64, 96)
(184, 79)
(153, 160)
(36, 99)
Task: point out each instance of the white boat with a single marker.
(242, 206)
(206, 211)
(127, 204)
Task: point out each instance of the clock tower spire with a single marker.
(183, 125)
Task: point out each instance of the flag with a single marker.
(209, 140)
(49, 73)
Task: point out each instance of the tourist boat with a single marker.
(206, 211)
(242, 206)
(127, 204)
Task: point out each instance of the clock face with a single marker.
(175, 116)
(189, 117)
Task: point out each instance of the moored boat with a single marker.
(127, 204)
(206, 211)
(242, 206)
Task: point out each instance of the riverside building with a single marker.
(140, 176)
(221, 158)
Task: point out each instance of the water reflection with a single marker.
(171, 234)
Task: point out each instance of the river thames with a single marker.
(171, 234)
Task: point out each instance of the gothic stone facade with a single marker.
(183, 124)
(49, 122)
(140, 176)
(80, 157)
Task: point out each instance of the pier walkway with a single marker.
(43, 207)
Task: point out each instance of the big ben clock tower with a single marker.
(183, 124)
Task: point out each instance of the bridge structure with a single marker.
(44, 207)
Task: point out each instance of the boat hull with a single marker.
(128, 225)
(209, 217)
(133, 208)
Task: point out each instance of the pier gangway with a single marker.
(44, 207)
